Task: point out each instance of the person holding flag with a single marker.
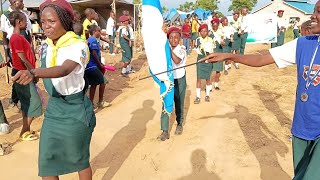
(158, 53)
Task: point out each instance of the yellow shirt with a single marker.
(195, 26)
(85, 25)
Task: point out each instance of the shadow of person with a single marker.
(124, 141)
(199, 170)
(262, 142)
(268, 99)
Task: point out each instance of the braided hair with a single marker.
(15, 15)
(64, 16)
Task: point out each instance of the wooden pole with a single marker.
(1, 7)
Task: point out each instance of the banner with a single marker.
(158, 51)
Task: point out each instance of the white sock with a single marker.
(216, 84)
(129, 67)
(124, 70)
(229, 65)
(210, 87)
(237, 64)
(198, 92)
(208, 90)
(226, 67)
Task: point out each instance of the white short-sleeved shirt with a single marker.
(244, 23)
(8, 28)
(282, 22)
(74, 82)
(180, 51)
(131, 33)
(285, 55)
(227, 31)
(110, 26)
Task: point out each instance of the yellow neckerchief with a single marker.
(207, 44)
(66, 40)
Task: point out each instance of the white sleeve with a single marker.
(285, 55)
(3, 23)
(180, 51)
(124, 31)
(78, 55)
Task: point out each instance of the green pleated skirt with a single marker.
(218, 66)
(204, 70)
(126, 52)
(236, 42)
(66, 134)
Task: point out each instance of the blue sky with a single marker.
(223, 5)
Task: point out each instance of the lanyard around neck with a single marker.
(311, 65)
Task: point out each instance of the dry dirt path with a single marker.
(242, 134)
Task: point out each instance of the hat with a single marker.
(173, 29)
(60, 3)
(215, 20)
(124, 18)
(203, 26)
(280, 11)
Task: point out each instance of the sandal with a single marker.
(28, 136)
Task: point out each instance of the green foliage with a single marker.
(288, 36)
(238, 4)
(210, 5)
(164, 9)
(187, 6)
(137, 1)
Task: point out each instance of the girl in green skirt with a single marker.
(217, 67)
(235, 23)
(205, 46)
(227, 32)
(69, 119)
(125, 43)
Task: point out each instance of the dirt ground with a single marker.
(242, 134)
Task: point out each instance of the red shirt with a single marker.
(18, 44)
(186, 28)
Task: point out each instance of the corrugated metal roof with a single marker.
(305, 7)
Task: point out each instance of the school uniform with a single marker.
(281, 22)
(296, 30)
(205, 46)
(27, 94)
(69, 119)
(93, 74)
(236, 36)
(194, 30)
(217, 37)
(180, 85)
(227, 32)
(124, 43)
(244, 26)
(306, 123)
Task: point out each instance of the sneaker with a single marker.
(217, 88)
(226, 72)
(164, 136)
(131, 71)
(207, 99)
(197, 100)
(103, 104)
(179, 130)
(4, 128)
(124, 75)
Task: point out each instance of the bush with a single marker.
(289, 34)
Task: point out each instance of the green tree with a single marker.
(164, 9)
(210, 5)
(187, 6)
(238, 4)
(137, 1)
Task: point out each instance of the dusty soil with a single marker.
(242, 134)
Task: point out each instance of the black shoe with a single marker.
(124, 75)
(179, 130)
(207, 99)
(164, 136)
(217, 88)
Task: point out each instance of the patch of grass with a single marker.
(288, 35)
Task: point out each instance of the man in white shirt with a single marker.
(281, 29)
(243, 29)
(111, 28)
(296, 28)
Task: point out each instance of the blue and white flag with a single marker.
(158, 51)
